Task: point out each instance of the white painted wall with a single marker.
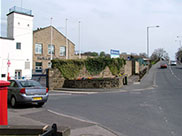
(20, 27)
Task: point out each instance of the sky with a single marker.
(105, 24)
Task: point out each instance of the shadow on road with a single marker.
(24, 106)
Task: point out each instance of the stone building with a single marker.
(62, 48)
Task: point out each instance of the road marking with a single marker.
(172, 133)
(58, 94)
(154, 81)
(82, 120)
(160, 108)
(143, 89)
(72, 92)
(174, 74)
(75, 118)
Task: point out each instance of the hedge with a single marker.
(71, 68)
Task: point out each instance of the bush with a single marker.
(95, 65)
(115, 65)
(71, 68)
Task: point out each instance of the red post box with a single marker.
(3, 102)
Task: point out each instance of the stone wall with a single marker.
(106, 73)
(128, 68)
(137, 67)
(55, 79)
(103, 80)
(95, 83)
(42, 79)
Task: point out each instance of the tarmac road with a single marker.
(149, 108)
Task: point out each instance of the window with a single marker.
(18, 45)
(38, 48)
(38, 67)
(30, 83)
(18, 74)
(51, 48)
(62, 51)
(3, 75)
(27, 65)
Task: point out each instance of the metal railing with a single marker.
(51, 132)
(20, 10)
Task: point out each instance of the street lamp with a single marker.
(148, 37)
(179, 40)
(79, 39)
(51, 38)
(67, 46)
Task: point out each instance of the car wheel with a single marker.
(40, 104)
(13, 102)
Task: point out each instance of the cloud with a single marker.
(105, 24)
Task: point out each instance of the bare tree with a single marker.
(179, 54)
(159, 54)
(144, 55)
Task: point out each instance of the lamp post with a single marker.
(51, 38)
(148, 27)
(67, 46)
(79, 39)
(179, 40)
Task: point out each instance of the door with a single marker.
(18, 74)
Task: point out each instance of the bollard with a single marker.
(3, 102)
(126, 80)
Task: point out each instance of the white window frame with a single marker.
(62, 52)
(51, 47)
(38, 48)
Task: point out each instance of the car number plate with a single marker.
(37, 98)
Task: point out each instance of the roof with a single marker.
(20, 10)
(41, 29)
(6, 38)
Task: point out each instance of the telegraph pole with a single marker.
(79, 39)
(67, 48)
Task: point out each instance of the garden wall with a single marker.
(55, 79)
(103, 80)
(128, 68)
(95, 83)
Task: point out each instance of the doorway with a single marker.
(18, 74)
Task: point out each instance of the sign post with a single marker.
(115, 53)
(8, 63)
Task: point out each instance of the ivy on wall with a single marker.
(71, 68)
(115, 65)
(95, 65)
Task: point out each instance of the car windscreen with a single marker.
(30, 83)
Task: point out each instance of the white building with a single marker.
(17, 46)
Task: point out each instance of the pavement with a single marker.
(30, 117)
(79, 127)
